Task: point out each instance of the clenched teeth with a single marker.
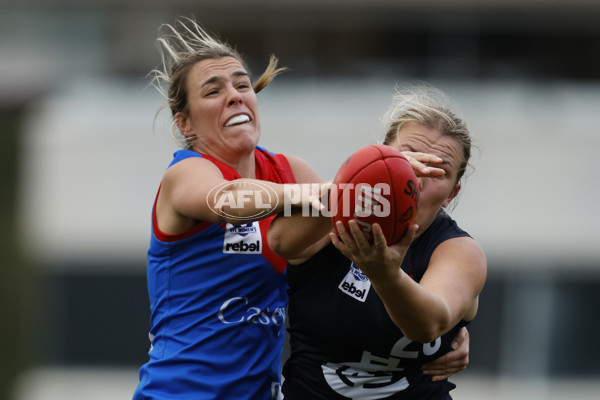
(238, 119)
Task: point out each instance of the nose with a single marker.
(235, 97)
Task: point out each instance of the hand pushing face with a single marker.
(435, 192)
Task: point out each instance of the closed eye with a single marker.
(243, 85)
(212, 90)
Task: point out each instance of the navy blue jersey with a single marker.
(217, 297)
(343, 343)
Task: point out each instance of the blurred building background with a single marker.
(82, 150)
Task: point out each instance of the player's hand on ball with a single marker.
(378, 260)
(376, 184)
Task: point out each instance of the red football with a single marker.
(376, 184)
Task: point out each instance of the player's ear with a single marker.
(452, 195)
(184, 124)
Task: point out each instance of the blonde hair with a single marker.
(182, 46)
(428, 106)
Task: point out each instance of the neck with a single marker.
(242, 163)
(423, 226)
(245, 166)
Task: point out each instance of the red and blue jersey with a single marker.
(217, 299)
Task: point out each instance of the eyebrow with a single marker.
(214, 79)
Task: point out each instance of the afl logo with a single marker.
(263, 198)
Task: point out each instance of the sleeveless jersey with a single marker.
(344, 344)
(217, 298)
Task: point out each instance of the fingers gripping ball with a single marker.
(376, 184)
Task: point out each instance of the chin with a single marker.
(245, 142)
(254, 138)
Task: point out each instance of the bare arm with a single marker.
(447, 293)
(195, 190)
(298, 237)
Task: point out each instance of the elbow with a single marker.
(422, 335)
(427, 331)
(275, 242)
(279, 247)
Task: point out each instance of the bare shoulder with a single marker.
(303, 171)
(193, 167)
(461, 253)
(185, 189)
(465, 245)
(457, 273)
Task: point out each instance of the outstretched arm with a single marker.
(194, 190)
(299, 236)
(447, 292)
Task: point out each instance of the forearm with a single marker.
(244, 200)
(291, 236)
(446, 292)
(420, 314)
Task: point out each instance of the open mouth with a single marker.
(238, 119)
